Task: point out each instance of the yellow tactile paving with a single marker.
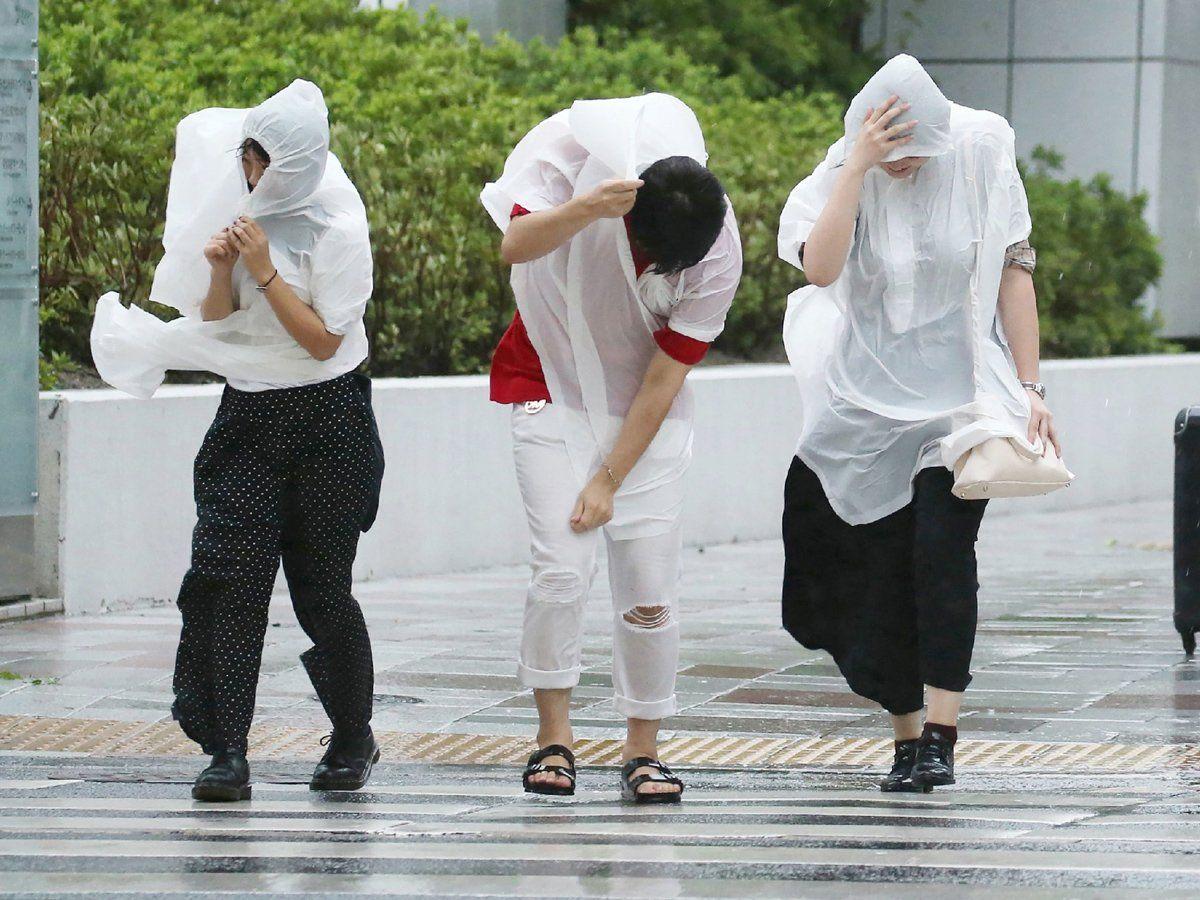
(103, 738)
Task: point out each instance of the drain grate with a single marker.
(92, 737)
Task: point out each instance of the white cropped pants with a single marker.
(643, 574)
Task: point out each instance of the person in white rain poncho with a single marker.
(267, 257)
(625, 258)
(915, 341)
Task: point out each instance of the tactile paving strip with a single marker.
(92, 737)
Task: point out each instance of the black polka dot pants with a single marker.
(289, 475)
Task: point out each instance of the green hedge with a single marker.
(772, 45)
(424, 113)
(1096, 256)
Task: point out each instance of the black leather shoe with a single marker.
(226, 779)
(899, 780)
(347, 763)
(935, 761)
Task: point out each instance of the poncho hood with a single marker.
(629, 134)
(293, 127)
(902, 76)
(208, 187)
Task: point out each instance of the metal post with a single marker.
(18, 293)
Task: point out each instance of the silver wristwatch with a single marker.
(1036, 386)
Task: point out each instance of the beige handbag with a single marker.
(1000, 468)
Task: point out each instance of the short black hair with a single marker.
(678, 213)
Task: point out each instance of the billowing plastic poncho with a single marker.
(590, 317)
(902, 362)
(317, 228)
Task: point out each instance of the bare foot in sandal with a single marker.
(550, 770)
(644, 779)
(650, 779)
(552, 773)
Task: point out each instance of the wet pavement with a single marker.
(1078, 765)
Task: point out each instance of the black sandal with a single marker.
(534, 766)
(661, 775)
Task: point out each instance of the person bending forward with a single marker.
(916, 340)
(625, 257)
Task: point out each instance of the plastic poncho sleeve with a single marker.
(539, 174)
(1020, 223)
(342, 275)
(707, 289)
(804, 207)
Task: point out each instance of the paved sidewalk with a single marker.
(1077, 772)
(1075, 644)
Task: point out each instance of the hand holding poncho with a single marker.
(317, 229)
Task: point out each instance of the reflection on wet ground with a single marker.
(1075, 647)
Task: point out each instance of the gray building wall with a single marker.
(523, 19)
(1111, 84)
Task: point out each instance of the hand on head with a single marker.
(881, 134)
(614, 198)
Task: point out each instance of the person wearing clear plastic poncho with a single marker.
(915, 341)
(625, 259)
(268, 259)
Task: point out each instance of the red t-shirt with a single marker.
(517, 372)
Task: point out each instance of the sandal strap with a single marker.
(660, 774)
(635, 783)
(562, 771)
(639, 762)
(552, 750)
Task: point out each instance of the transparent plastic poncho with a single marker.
(589, 315)
(902, 362)
(302, 191)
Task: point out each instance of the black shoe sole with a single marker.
(650, 797)
(220, 793)
(550, 790)
(931, 781)
(905, 787)
(345, 785)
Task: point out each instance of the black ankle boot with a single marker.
(347, 762)
(226, 779)
(935, 759)
(900, 778)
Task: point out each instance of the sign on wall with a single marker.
(18, 256)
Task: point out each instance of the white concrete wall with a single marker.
(1108, 83)
(117, 505)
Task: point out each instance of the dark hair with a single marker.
(678, 213)
(249, 145)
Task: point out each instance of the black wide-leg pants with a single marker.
(289, 474)
(894, 602)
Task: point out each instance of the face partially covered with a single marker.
(254, 162)
(903, 80)
(905, 167)
(291, 133)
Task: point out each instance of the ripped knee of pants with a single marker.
(649, 617)
(558, 585)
